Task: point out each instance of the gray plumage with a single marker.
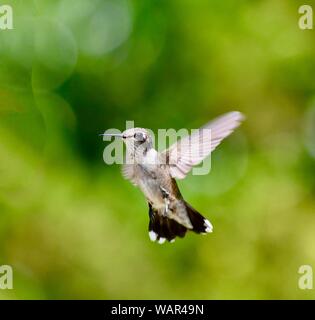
(154, 173)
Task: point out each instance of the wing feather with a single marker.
(192, 150)
(129, 173)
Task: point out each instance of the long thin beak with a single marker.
(119, 135)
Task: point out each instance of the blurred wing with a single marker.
(192, 150)
(129, 173)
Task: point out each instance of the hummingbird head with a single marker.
(135, 138)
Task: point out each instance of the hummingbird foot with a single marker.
(166, 206)
(165, 195)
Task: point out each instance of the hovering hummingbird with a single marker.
(155, 173)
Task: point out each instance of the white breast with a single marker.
(147, 180)
(151, 157)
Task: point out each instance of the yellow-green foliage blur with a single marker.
(71, 227)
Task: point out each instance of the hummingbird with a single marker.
(155, 174)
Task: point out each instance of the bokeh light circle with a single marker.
(309, 129)
(107, 28)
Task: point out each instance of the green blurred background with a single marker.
(72, 228)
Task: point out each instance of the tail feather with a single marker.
(200, 224)
(162, 228)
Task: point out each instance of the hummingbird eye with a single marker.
(139, 136)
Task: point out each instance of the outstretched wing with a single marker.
(129, 172)
(192, 150)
